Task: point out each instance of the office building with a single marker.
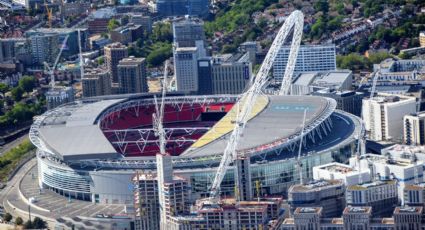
(347, 100)
(132, 76)
(126, 34)
(98, 20)
(167, 8)
(96, 82)
(223, 76)
(383, 116)
(414, 129)
(205, 82)
(328, 194)
(422, 39)
(306, 83)
(59, 95)
(142, 20)
(311, 58)
(186, 69)
(189, 32)
(403, 217)
(230, 77)
(380, 195)
(113, 54)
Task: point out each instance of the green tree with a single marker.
(38, 223)
(101, 61)
(162, 32)
(160, 52)
(112, 24)
(27, 83)
(322, 6)
(379, 57)
(3, 88)
(17, 93)
(19, 221)
(7, 217)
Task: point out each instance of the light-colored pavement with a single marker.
(49, 205)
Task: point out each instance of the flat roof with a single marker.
(72, 133)
(281, 118)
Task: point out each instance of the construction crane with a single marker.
(158, 116)
(249, 98)
(299, 164)
(49, 13)
(80, 54)
(51, 70)
(361, 144)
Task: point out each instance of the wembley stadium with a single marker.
(90, 149)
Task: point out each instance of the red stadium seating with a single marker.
(174, 117)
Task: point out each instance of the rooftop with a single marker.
(315, 210)
(357, 210)
(316, 185)
(407, 209)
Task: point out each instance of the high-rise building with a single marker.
(328, 194)
(230, 77)
(113, 54)
(205, 84)
(28, 4)
(132, 76)
(44, 48)
(223, 77)
(311, 58)
(96, 82)
(383, 116)
(189, 32)
(414, 129)
(380, 195)
(55, 37)
(186, 69)
(422, 39)
(146, 201)
(168, 8)
(59, 95)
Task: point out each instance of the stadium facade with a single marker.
(91, 149)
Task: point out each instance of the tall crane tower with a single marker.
(249, 98)
(49, 13)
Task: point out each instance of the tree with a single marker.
(101, 61)
(3, 88)
(7, 217)
(19, 221)
(27, 83)
(38, 223)
(112, 24)
(17, 93)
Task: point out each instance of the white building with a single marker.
(383, 116)
(186, 69)
(310, 58)
(414, 129)
(380, 195)
(307, 83)
(337, 171)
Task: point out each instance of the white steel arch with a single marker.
(246, 102)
